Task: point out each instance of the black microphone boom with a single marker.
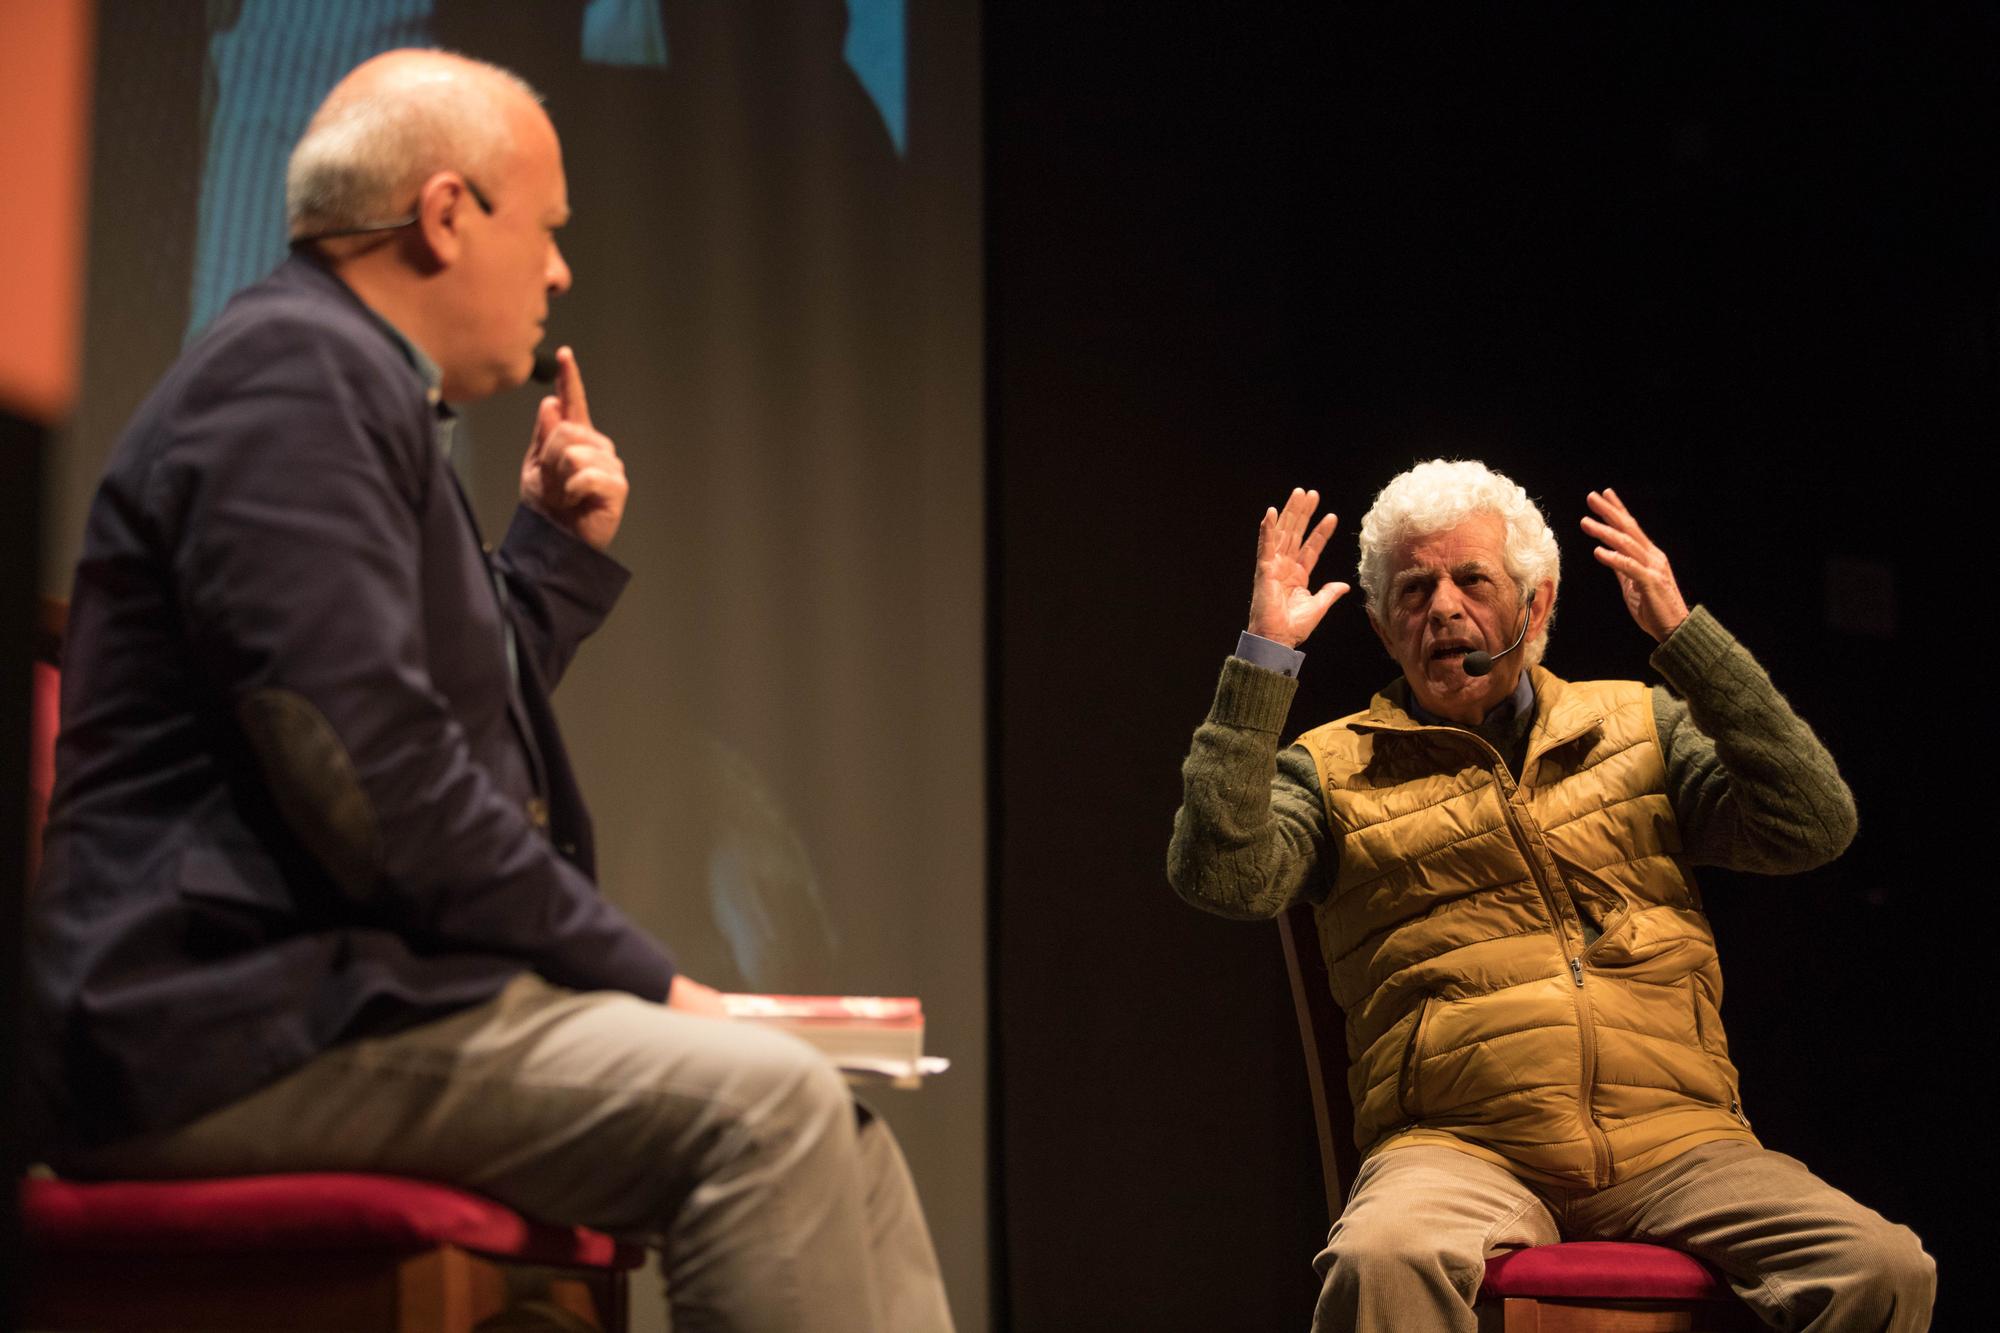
(1479, 662)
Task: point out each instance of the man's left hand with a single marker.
(1644, 575)
(572, 474)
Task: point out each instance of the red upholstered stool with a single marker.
(310, 1252)
(1606, 1285)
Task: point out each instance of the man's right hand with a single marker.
(1282, 606)
(572, 474)
(691, 996)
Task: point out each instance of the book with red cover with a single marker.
(862, 1034)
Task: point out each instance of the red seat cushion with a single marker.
(304, 1212)
(1603, 1270)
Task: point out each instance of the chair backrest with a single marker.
(1323, 1032)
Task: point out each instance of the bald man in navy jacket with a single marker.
(317, 890)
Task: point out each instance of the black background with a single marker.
(1733, 260)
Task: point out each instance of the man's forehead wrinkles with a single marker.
(1424, 572)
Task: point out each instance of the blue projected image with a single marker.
(272, 61)
(269, 69)
(629, 32)
(876, 46)
(624, 32)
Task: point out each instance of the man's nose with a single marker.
(558, 276)
(1446, 602)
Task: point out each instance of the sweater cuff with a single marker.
(1691, 652)
(1252, 698)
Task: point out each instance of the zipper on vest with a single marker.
(1551, 898)
(1586, 1028)
(1586, 1032)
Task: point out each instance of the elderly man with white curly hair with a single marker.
(1501, 866)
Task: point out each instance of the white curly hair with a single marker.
(1440, 494)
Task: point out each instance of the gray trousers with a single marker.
(776, 1202)
(1411, 1246)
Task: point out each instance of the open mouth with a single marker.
(1450, 652)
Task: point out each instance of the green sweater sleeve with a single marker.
(1251, 831)
(1751, 785)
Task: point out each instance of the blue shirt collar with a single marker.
(427, 371)
(1518, 707)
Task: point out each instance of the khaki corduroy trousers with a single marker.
(1410, 1248)
(777, 1203)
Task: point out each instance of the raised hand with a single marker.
(572, 474)
(1644, 575)
(1282, 605)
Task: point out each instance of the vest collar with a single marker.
(1561, 714)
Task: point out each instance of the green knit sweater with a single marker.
(1752, 787)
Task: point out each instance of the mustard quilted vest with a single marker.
(1476, 1014)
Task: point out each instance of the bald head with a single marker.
(388, 126)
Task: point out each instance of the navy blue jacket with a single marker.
(279, 549)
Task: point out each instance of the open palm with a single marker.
(1283, 606)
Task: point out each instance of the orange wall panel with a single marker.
(45, 48)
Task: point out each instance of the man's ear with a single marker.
(442, 201)
(1544, 607)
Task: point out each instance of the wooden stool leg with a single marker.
(447, 1290)
(1526, 1314)
(450, 1291)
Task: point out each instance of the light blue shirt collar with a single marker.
(432, 377)
(1520, 706)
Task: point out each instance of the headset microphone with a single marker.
(545, 369)
(1478, 663)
